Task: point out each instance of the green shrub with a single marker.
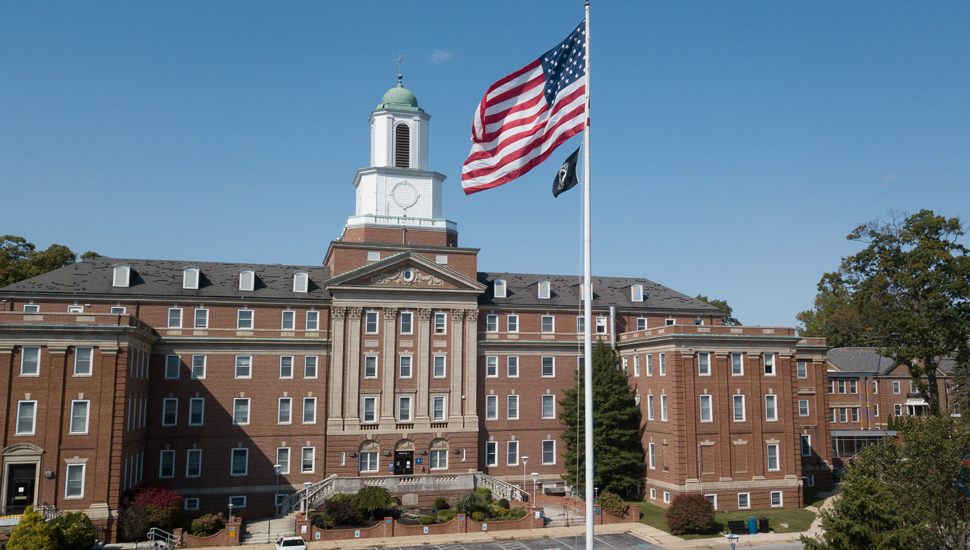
(504, 503)
(342, 511)
(496, 511)
(31, 533)
(208, 524)
(72, 531)
(370, 500)
(479, 516)
(475, 501)
(444, 516)
(612, 503)
(320, 520)
(427, 520)
(441, 504)
(485, 492)
(519, 512)
(690, 514)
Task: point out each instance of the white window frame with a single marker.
(670, 322)
(508, 452)
(510, 408)
(250, 323)
(663, 407)
(806, 409)
(653, 493)
(310, 362)
(313, 402)
(801, 444)
(401, 418)
(509, 362)
(494, 453)
(283, 360)
(23, 361)
(238, 501)
(120, 276)
(313, 459)
(247, 280)
(737, 369)
(232, 462)
(67, 481)
(409, 324)
(363, 409)
(712, 498)
(552, 324)
(552, 366)
(666, 497)
(248, 359)
(491, 322)
(175, 416)
(31, 308)
(312, 320)
(491, 366)
(188, 463)
(279, 411)
(249, 411)
(546, 397)
(781, 499)
(710, 408)
(512, 323)
(649, 364)
(435, 417)
(662, 364)
(897, 387)
(701, 370)
(734, 408)
(368, 462)
(777, 448)
(443, 359)
(176, 323)
(440, 323)
(602, 325)
(636, 293)
(205, 318)
(201, 402)
(491, 414)
(190, 278)
(87, 416)
(301, 282)
(773, 364)
(747, 501)
(771, 414)
(161, 463)
(371, 357)
(500, 288)
(401, 363)
(875, 410)
(542, 452)
(636, 366)
(801, 369)
(544, 290)
(193, 374)
(283, 464)
(288, 320)
(190, 504)
(78, 352)
(649, 406)
(372, 322)
(641, 323)
(580, 324)
(652, 455)
(75, 308)
(438, 459)
(119, 310)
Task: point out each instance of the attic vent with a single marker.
(500, 288)
(300, 281)
(544, 291)
(247, 279)
(636, 293)
(190, 278)
(120, 276)
(402, 146)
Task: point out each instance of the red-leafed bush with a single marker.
(151, 507)
(690, 514)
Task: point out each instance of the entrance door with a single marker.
(403, 463)
(20, 487)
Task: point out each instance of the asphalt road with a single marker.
(622, 541)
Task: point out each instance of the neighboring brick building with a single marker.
(396, 356)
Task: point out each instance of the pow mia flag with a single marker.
(566, 177)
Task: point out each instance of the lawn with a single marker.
(797, 519)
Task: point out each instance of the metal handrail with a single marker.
(158, 535)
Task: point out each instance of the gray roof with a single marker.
(522, 290)
(869, 361)
(163, 278)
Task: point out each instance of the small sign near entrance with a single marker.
(417, 460)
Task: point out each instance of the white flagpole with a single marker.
(587, 315)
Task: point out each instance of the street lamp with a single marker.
(276, 498)
(230, 511)
(525, 460)
(535, 480)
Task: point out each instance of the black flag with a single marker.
(566, 177)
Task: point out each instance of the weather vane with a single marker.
(400, 72)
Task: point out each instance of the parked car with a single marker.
(290, 543)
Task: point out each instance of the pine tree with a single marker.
(617, 430)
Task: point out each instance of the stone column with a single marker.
(390, 375)
(471, 369)
(336, 417)
(353, 368)
(421, 365)
(455, 369)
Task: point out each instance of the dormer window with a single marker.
(402, 146)
(636, 293)
(301, 281)
(120, 276)
(544, 291)
(500, 288)
(190, 278)
(247, 280)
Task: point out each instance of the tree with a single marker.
(910, 493)
(617, 442)
(690, 513)
(31, 533)
(73, 531)
(722, 305)
(371, 499)
(151, 507)
(20, 259)
(912, 284)
(836, 319)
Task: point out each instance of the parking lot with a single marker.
(621, 541)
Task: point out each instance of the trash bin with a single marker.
(752, 525)
(762, 524)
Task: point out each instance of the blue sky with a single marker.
(735, 144)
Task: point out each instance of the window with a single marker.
(491, 322)
(240, 411)
(313, 320)
(120, 276)
(239, 462)
(439, 367)
(875, 409)
(196, 411)
(744, 501)
(776, 499)
(439, 459)
(636, 293)
(769, 364)
(370, 322)
(773, 465)
(706, 414)
(666, 497)
(170, 411)
(404, 408)
(174, 317)
(712, 499)
(244, 319)
(738, 401)
(512, 366)
(801, 369)
(247, 280)
(663, 408)
(75, 309)
(855, 414)
(407, 322)
(512, 453)
(309, 410)
(491, 366)
(237, 502)
(649, 365)
(193, 463)
(704, 364)
(737, 364)
(670, 321)
(405, 366)
(806, 442)
(580, 324)
(662, 362)
(601, 326)
(288, 322)
(74, 481)
(491, 453)
(512, 405)
(284, 412)
(548, 367)
(201, 318)
(283, 459)
(301, 282)
(173, 364)
(854, 386)
(31, 308)
(440, 322)
(897, 409)
(190, 278)
(198, 367)
(30, 361)
(512, 322)
(548, 406)
(119, 310)
(842, 385)
(653, 493)
(548, 324)
(369, 410)
(308, 459)
(441, 259)
(896, 386)
(310, 366)
(500, 288)
(370, 366)
(652, 456)
(79, 417)
(244, 366)
(166, 464)
(548, 451)
(373, 256)
(803, 407)
(438, 408)
(286, 366)
(771, 409)
(491, 407)
(875, 387)
(82, 361)
(190, 504)
(636, 365)
(544, 290)
(809, 480)
(641, 323)
(402, 146)
(367, 461)
(649, 406)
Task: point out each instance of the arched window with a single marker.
(402, 146)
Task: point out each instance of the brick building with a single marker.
(395, 356)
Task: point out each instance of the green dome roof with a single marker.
(399, 97)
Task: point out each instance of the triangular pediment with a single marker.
(407, 271)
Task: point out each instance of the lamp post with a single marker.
(535, 480)
(230, 511)
(525, 460)
(276, 498)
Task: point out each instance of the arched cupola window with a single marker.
(402, 146)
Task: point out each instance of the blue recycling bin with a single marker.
(752, 525)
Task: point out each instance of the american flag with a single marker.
(526, 115)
